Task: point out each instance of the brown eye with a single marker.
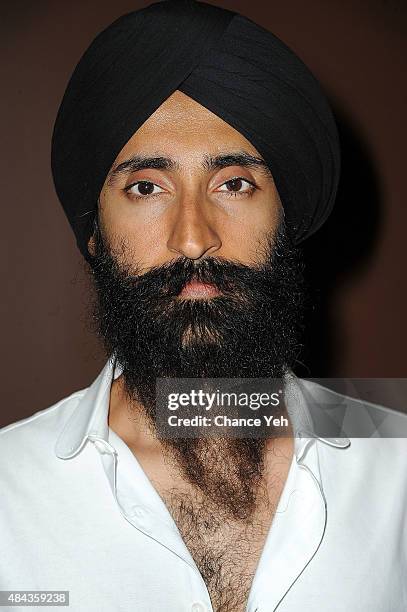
(237, 186)
(234, 184)
(145, 188)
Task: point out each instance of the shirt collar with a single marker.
(90, 416)
(89, 419)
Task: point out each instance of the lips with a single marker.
(196, 289)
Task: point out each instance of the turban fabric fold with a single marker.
(227, 63)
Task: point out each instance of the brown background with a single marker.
(358, 278)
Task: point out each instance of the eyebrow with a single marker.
(209, 163)
(139, 162)
(238, 158)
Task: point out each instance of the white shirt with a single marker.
(78, 513)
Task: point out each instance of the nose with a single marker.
(192, 234)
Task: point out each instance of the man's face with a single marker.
(189, 184)
(194, 273)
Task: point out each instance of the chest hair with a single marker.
(226, 551)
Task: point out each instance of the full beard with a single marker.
(251, 330)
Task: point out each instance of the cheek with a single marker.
(142, 236)
(252, 225)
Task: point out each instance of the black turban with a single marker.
(227, 63)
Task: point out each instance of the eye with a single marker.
(142, 189)
(237, 185)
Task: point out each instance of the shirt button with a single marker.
(139, 516)
(136, 511)
(198, 607)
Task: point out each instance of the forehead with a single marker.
(182, 126)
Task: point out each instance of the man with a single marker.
(192, 152)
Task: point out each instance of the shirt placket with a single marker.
(295, 535)
(142, 507)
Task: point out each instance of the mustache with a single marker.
(229, 277)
